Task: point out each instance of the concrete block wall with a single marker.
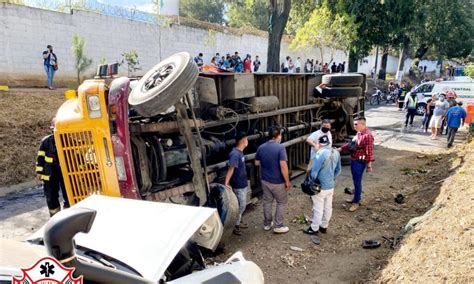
(25, 32)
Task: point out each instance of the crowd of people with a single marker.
(311, 66)
(231, 63)
(323, 168)
(443, 115)
(234, 63)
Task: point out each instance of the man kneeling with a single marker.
(326, 167)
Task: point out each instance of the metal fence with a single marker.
(66, 6)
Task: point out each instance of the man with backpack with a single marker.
(326, 167)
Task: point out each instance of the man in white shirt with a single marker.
(298, 65)
(313, 139)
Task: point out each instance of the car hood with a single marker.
(146, 235)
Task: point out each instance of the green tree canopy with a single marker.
(326, 29)
(300, 13)
(248, 13)
(204, 10)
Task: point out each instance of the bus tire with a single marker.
(342, 80)
(340, 92)
(227, 205)
(164, 85)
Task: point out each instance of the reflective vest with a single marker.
(47, 163)
(411, 103)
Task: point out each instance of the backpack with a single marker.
(311, 187)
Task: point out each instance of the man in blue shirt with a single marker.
(272, 159)
(455, 118)
(326, 167)
(236, 178)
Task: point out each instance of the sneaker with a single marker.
(269, 227)
(348, 200)
(354, 207)
(243, 225)
(323, 230)
(310, 231)
(237, 231)
(281, 230)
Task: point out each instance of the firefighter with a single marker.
(49, 171)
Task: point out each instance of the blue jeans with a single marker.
(241, 194)
(357, 170)
(50, 73)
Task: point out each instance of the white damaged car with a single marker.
(118, 240)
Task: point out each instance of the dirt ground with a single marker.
(340, 256)
(23, 122)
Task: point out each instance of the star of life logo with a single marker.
(47, 271)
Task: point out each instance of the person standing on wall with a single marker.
(271, 157)
(236, 178)
(455, 118)
(248, 64)
(50, 62)
(298, 65)
(326, 167)
(361, 149)
(49, 172)
(199, 61)
(256, 64)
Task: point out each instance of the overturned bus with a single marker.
(166, 137)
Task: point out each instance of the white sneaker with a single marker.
(269, 227)
(281, 230)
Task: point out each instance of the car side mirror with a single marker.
(61, 229)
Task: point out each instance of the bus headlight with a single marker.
(93, 104)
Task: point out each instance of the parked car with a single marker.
(114, 240)
(462, 86)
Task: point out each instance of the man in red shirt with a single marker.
(361, 149)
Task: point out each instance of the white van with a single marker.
(462, 86)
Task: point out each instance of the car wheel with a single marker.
(227, 205)
(164, 85)
(340, 92)
(421, 109)
(342, 80)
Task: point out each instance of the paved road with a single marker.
(24, 212)
(387, 124)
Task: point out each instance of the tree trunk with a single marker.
(322, 58)
(279, 11)
(353, 61)
(439, 72)
(376, 64)
(401, 61)
(421, 51)
(383, 64)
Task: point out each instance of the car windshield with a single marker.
(426, 88)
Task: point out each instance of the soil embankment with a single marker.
(25, 116)
(440, 248)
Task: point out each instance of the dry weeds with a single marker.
(25, 115)
(441, 248)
